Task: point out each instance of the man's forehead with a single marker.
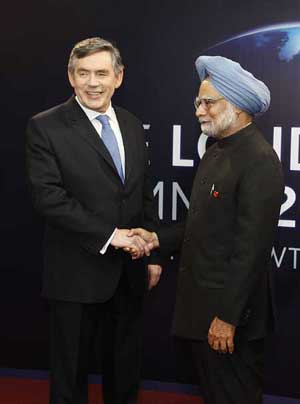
(101, 59)
(206, 89)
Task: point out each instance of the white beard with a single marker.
(221, 123)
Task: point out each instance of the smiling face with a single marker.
(94, 80)
(219, 118)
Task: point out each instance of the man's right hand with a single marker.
(150, 238)
(133, 242)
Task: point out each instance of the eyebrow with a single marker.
(81, 69)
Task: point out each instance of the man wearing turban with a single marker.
(224, 295)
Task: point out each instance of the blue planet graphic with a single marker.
(283, 39)
(272, 54)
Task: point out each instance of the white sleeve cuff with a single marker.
(104, 248)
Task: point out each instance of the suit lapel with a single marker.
(128, 140)
(81, 124)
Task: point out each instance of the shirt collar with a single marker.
(91, 114)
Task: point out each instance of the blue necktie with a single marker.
(109, 139)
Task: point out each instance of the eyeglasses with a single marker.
(206, 103)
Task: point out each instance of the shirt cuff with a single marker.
(104, 248)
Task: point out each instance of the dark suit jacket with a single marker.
(225, 261)
(75, 186)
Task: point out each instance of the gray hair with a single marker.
(90, 46)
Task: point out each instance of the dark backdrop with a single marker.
(159, 41)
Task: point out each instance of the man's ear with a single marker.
(119, 78)
(238, 111)
(71, 78)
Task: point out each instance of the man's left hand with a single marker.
(221, 335)
(154, 272)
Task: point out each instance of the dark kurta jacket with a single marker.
(225, 259)
(76, 187)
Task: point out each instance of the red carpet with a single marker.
(28, 391)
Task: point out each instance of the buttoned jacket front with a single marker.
(76, 187)
(225, 259)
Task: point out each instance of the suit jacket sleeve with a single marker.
(151, 219)
(170, 238)
(52, 199)
(258, 202)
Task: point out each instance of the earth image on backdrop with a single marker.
(273, 55)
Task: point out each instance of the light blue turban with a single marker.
(236, 85)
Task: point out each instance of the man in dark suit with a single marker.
(224, 294)
(87, 169)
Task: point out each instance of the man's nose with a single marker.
(93, 80)
(200, 111)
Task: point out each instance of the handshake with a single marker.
(137, 242)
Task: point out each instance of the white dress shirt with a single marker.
(92, 115)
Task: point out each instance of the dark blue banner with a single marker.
(159, 42)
